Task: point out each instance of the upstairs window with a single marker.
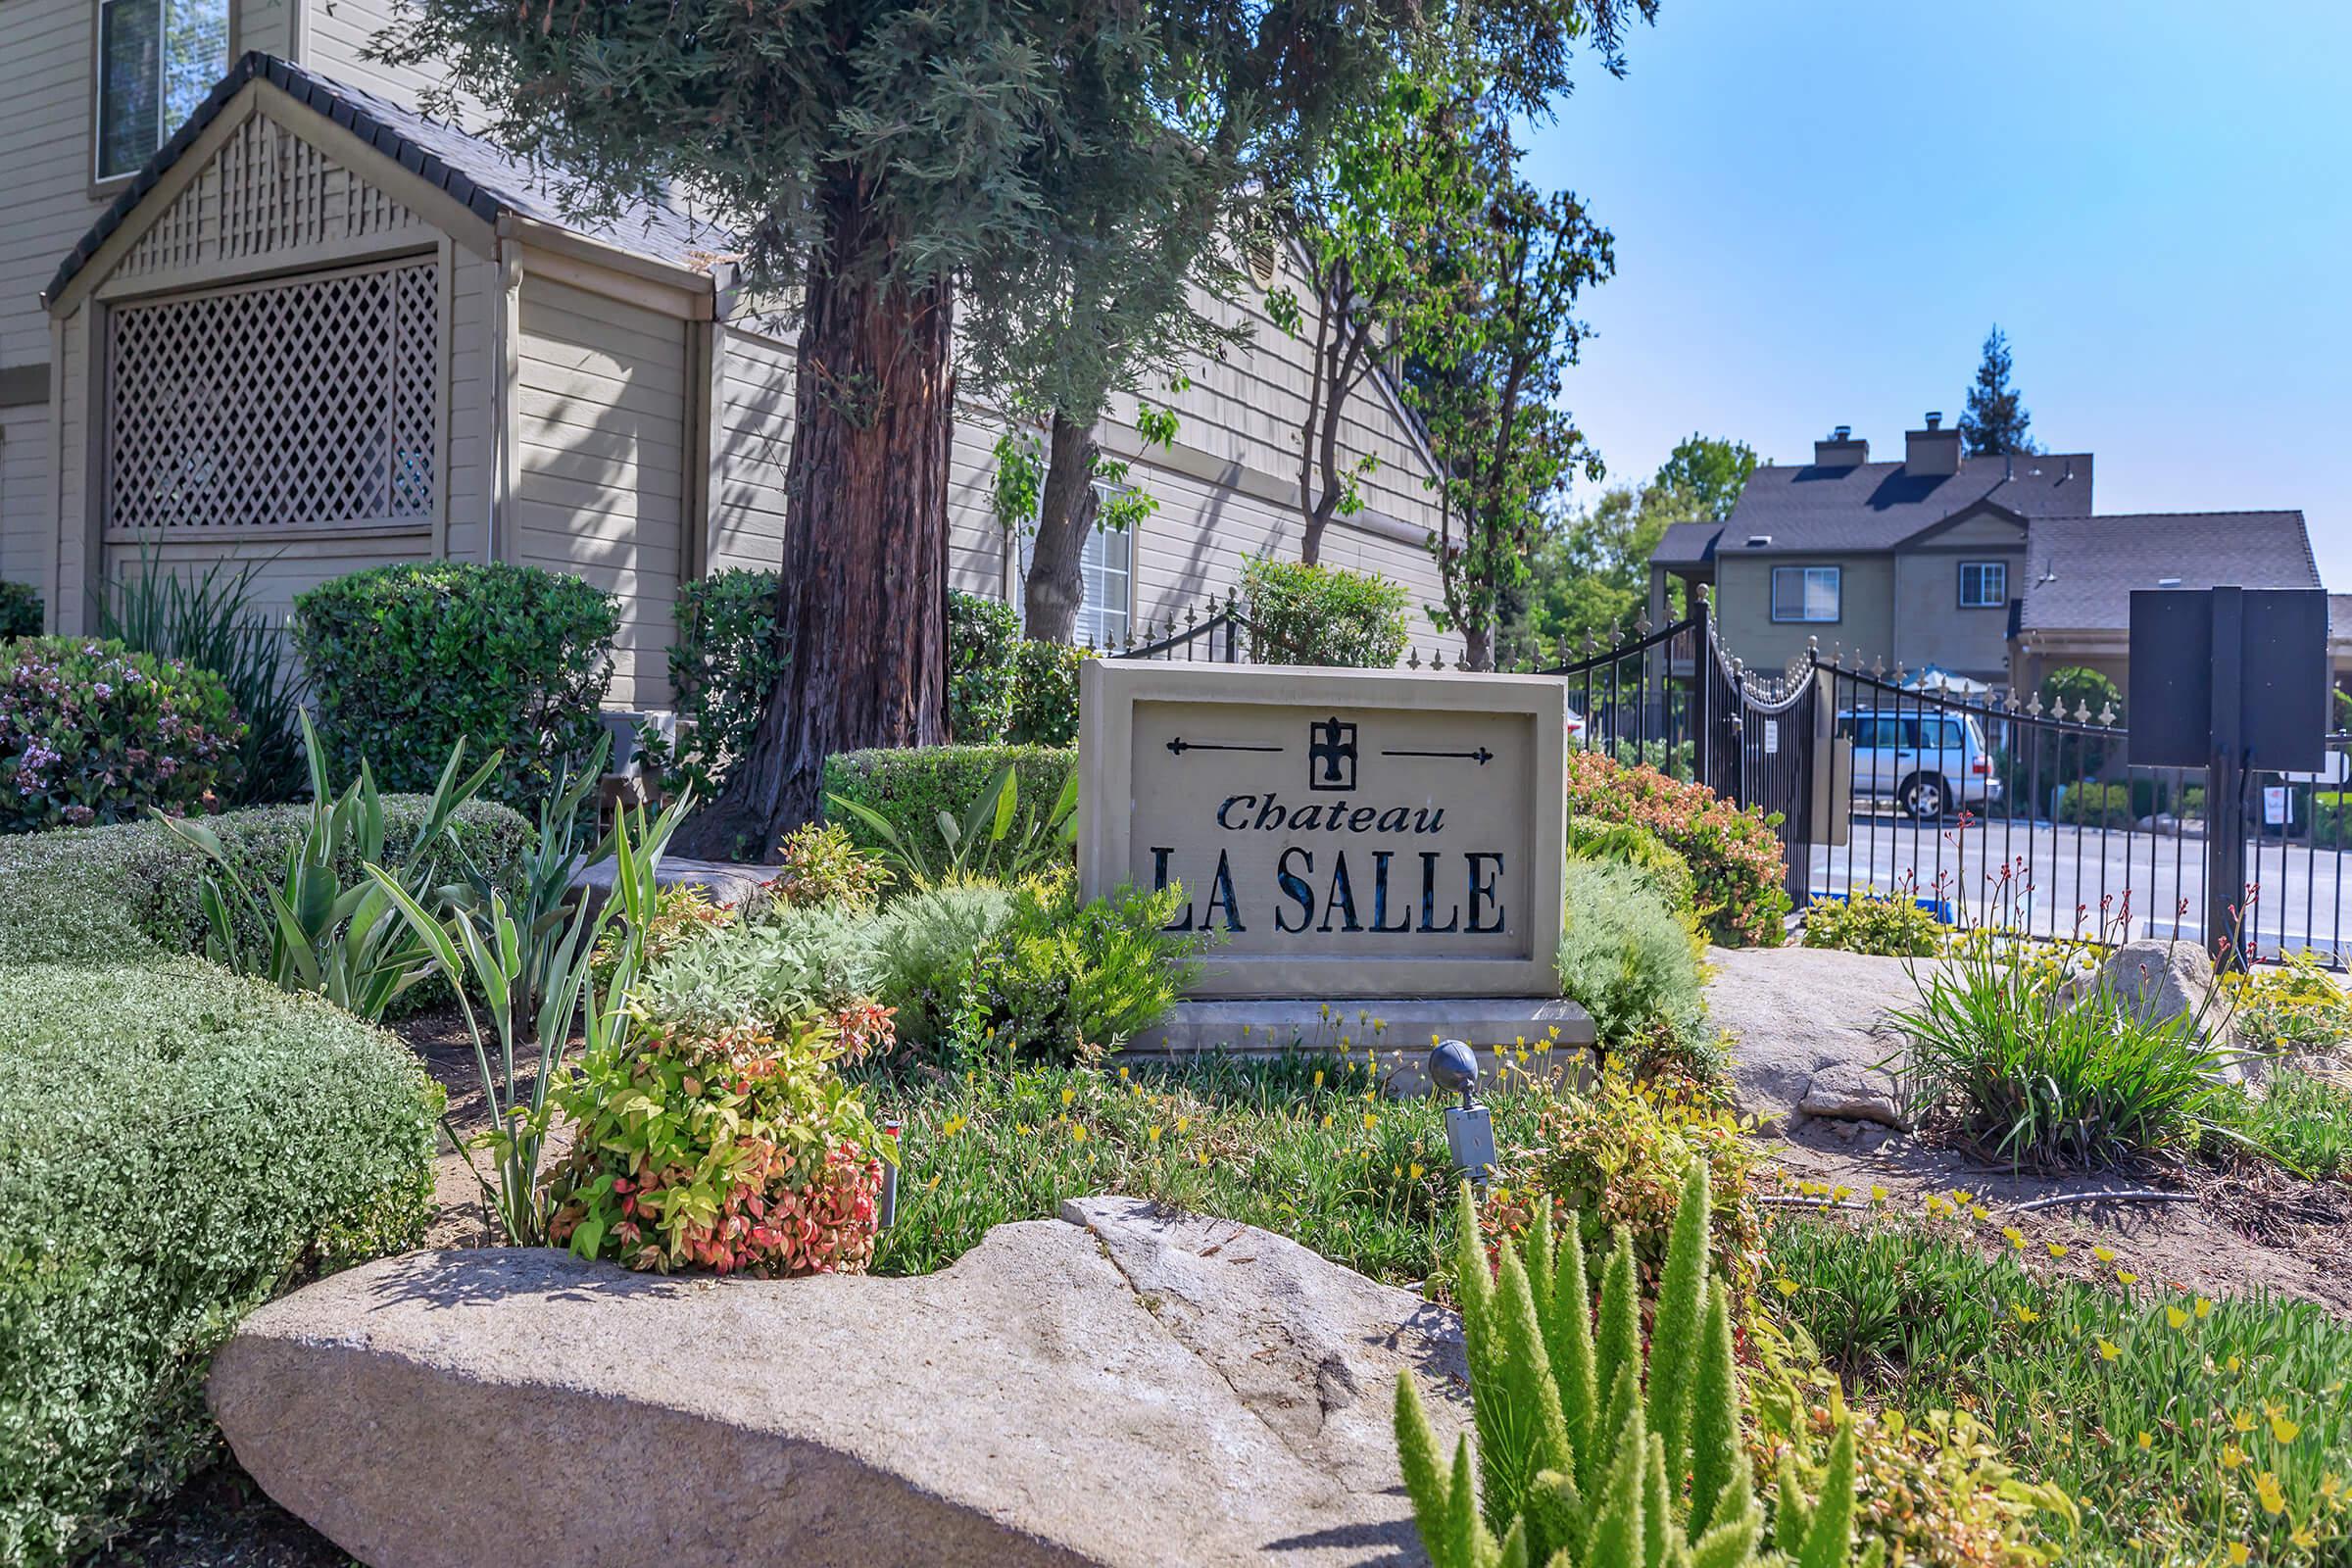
(1984, 584)
(1807, 593)
(157, 59)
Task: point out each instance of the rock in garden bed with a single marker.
(1114, 1386)
(1809, 1027)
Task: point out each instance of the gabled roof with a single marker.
(1811, 510)
(484, 177)
(2079, 572)
(1686, 543)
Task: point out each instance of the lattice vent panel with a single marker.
(296, 405)
(265, 190)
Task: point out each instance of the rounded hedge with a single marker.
(177, 1145)
(20, 610)
(406, 659)
(908, 787)
(91, 732)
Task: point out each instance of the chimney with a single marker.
(1933, 453)
(1841, 450)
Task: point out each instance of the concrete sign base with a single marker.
(1397, 1032)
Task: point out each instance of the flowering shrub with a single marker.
(91, 732)
(822, 863)
(1618, 1155)
(1733, 855)
(2298, 1005)
(720, 1146)
(1890, 928)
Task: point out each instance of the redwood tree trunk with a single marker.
(861, 604)
(1056, 584)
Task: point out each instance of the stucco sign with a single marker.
(1337, 833)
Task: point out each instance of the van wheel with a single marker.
(1924, 796)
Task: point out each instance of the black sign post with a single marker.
(2232, 680)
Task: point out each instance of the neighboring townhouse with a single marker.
(1913, 563)
(2073, 606)
(266, 311)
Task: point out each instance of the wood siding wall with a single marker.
(600, 437)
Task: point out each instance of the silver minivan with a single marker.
(1927, 761)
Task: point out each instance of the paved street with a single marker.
(2056, 871)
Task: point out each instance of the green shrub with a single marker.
(798, 964)
(2093, 805)
(924, 948)
(406, 661)
(111, 894)
(176, 1145)
(722, 665)
(982, 634)
(1625, 844)
(1065, 981)
(1888, 927)
(207, 618)
(1612, 1159)
(818, 863)
(20, 610)
(2301, 1121)
(92, 733)
(909, 788)
(1625, 957)
(2330, 818)
(1045, 693)
(1301, 615)
(1735, 857)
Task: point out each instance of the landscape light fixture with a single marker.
(886, 1205)
(1469, 1126)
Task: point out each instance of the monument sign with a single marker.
(1337, 833)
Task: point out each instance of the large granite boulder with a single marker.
(1114, 1386)
(1810, 1029)
(2158, 981)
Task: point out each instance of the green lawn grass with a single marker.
(1303, 1145)
(2187, 1429)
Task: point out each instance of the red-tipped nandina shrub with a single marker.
(724, 1146)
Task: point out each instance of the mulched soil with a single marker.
(2249, 1227)
(221, 1519)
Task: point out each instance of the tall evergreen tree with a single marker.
(1995, 420)
(866, 154)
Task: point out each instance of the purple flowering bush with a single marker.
(91, 732)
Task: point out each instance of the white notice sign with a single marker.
(2273, 804)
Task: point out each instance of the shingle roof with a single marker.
(1686, 543)
(1876, 506)
(2079, 572)
(489, 181)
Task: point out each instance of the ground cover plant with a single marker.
(2294, 1005)
(1303, 1145)
(178, 1144)
(2299, 1118)
(1893, 926)
(1735, 858)
(92, 732)
(2187, 1429)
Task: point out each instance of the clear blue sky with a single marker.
(1820, 206)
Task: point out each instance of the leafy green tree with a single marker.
(1995, 420)
(1589, 572)
(1710, 471)
(1492, 360)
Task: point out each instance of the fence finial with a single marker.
(2107, 714)
(1437, 661)
(1878, 668)
(2035, 706)
(1642, 626)
(1413, 660)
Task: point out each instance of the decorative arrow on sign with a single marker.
(1179, 746)
(1482, 756)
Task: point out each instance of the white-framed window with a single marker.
(1984, 584)
(1106, 573)
(157, 59)
(1807, 593)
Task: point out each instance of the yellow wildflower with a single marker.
(2123, 1276)
(2147, 1440)
(1151, 1134)
(2232, 1456)
(2204, 1306)
(2108, 1349)
(1077, 1133)
(2017, 1238)
(2283, 1430)
(2267, 1490)
(2057, 1249)
(2175, 1317)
